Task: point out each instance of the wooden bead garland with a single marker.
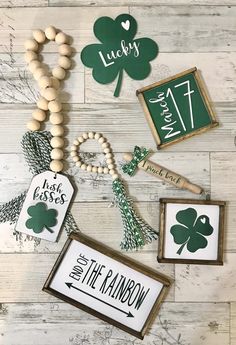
(136, 231)
(109, 169)
(49, 85)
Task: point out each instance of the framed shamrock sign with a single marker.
(118, 51)
(177, 108)
(108, 285)
(191, 231)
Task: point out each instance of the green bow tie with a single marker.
(138, 155)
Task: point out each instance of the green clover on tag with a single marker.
(118, 51)
(192, 231)
(41, 218)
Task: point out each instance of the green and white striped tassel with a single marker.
(136, 232)
(36, 149)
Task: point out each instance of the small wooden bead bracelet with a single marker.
(136, 231)
(109, 169)
(49, 85)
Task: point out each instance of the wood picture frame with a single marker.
(155, 285)
(156, 119)
(213, 209)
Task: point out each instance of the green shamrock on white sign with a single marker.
(41, 218)
(118, 51)
(192, 230)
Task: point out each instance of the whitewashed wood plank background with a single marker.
(201, 306)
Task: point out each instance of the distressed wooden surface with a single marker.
(223, 167)
(233, 322)
(23, 3)
(195, 283)
(138, 2)
(57, 324)
(201, 306)
(187, 28)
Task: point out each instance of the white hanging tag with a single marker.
(45, 206)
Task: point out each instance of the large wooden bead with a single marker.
(54, 106)
(45, 81)
(101, 140)
(65, 49)
(55, 83)
(111, 166)
(109, 161)
(59, 73)
(97, 136)
(84, 166)
(91, 135)
(50, 33)
(39, 72)
(64, 62)
(31, 44)
(30, 56)
(56, 118)
(75, 159)
(115, 176)
(73, 148)
(39, 35)
(50, 93)
(85, 136)
(105, 170)
(61, 38)
(57, 130)
(33, 65)
(39, 115)
(94, 169)
(107, 150)
(56, 165)
(57, 154)
(105, 145)
(42, 103)
(33, 125)
(89, 168)
(100, 170)
(73, 154)
(57, 142)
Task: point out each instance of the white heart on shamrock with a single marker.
(126, 25)
(203, 220)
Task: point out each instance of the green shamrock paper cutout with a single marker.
(41, 218)
(118, 51)
(192, 230)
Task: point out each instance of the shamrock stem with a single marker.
(181, 248)
(49, 229)
(118, 85)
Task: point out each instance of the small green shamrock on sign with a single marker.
(193, 230)
(118, 51)
(41, 218)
